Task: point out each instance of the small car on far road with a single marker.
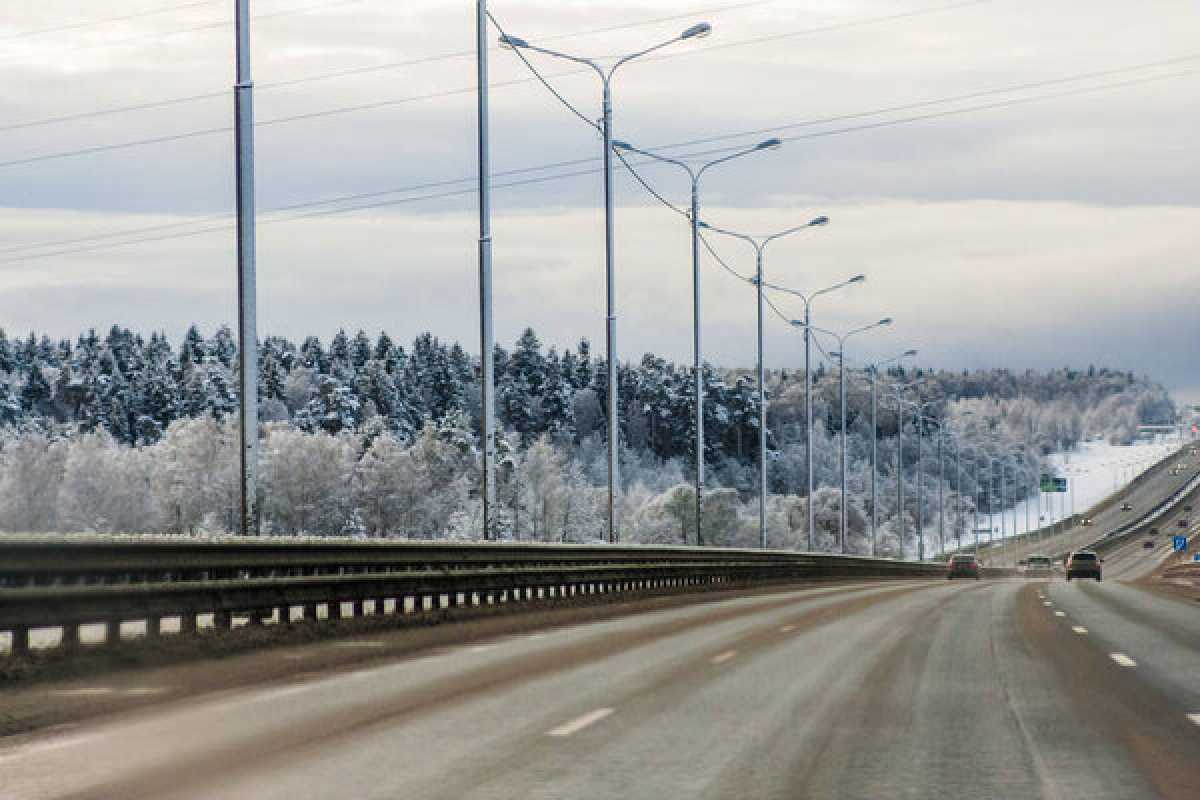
(1087, 521)
(962, 566)
(1038, 566)
(1084, 564)
(1148, 544)
(1126, 507)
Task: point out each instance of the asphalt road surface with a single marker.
(1143, 497)
(990, 689)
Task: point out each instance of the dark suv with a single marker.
(1083, 564)
(963, 567)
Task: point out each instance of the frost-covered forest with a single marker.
(365, 436)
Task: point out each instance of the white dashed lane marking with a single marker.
(1122, 659)
(1195, 718)
(1082, 631)
(1060, 613)
(721, 658)
(579, 723)
(787, 629)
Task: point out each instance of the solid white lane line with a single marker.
(87, 692)
(1047, 603)
(1122, 659)
(787, 629)
(721, 658)
(1060, 613)
(579, 723)
(1194, 718)
(1082, 631)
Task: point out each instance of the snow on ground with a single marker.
(1094, 470)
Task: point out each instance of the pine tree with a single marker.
(36, 394)
(360, 350)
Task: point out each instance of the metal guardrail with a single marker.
(1122, 533)
(65, 582)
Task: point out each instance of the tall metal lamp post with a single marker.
(694, 174)
(694, 32)
(759, 243)
(841, 358)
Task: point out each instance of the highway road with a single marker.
(1142, 497)
(990, 689)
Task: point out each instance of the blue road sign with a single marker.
(1195, 556)
(1179, 543)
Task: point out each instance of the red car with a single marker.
(963, 567)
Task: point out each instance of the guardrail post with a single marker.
(222, 620)
(112, 631)
(70, 635)
(20, 640)
(187, 622)
(153, 627)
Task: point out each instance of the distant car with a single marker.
(1153, 532)
(1087, 521)
(1148, 544)
(1188, 507)
(1126, 507)
(962, 567)
(1183, 523)
(1037, 566)
(1083, 564)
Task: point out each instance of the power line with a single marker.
(541, 79)
(466, 53)
(292, 218)
(160, 35)
(717, 138)
(848, 129)
(1074, 78)
(105, 21)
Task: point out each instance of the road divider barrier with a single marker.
(66, 582)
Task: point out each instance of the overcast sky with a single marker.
(1049, 216)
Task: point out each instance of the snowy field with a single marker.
(1094, 470)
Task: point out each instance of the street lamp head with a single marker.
(796, 323)
(908, 353)
(512, 42)
(857, 279)
(885, 321)
(816, 221)
(774, 143)
(620, 145)
(697, 31)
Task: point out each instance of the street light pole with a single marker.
(841, 358)
(487, 363)
(247, 281)
(941, 494)
(614, 433)
(873, 371)
(760, 245)
(697, 356)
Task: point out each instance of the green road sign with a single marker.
(1050, 483)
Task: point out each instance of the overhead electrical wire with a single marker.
(721, 137)
(227, 23)
(73, 26)
(468, 53)
(839, 131)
